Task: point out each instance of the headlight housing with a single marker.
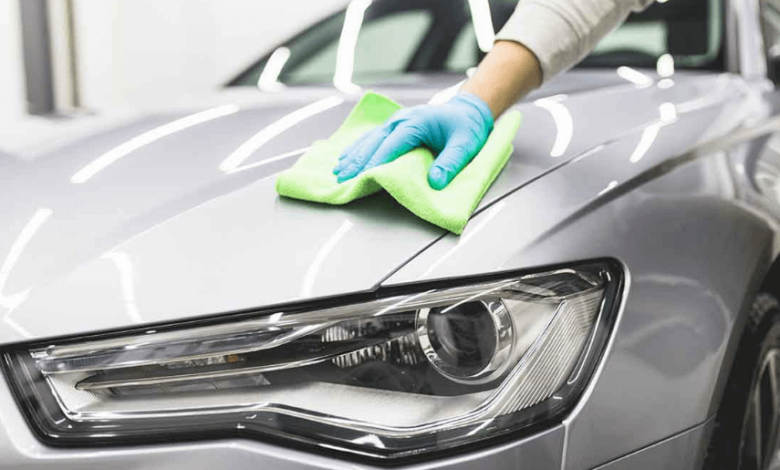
(392, 377)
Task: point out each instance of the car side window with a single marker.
(465, 51)
(689, 31)
(385, 47)
(647, 37)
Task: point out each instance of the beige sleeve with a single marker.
(562, 32)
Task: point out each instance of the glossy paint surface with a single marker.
(173, 216)
(160, 231)
(677, 209)
(681, 452)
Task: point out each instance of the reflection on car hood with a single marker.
(174, 215)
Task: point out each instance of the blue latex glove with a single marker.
(456, 130)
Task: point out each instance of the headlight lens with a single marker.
(388, 378)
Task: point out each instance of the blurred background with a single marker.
(69, 64)
(65, 58)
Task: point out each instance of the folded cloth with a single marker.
(311, 178)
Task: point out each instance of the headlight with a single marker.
(387, 378)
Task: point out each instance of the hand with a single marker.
(456, 130)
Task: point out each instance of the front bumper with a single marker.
(19, 448)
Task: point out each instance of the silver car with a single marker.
(611, 304)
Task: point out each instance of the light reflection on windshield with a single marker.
(376, 42)
(269, 79)
(345, 57)
(483, 24)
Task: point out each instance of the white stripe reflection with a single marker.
(668, 112)
(634, 76)
(11, 302)
(269, 77)
(665, 66)
(645, 142)
(612, 185)
(467, 236)
(483, 24)
(112, 156)
(277, 158)
(235, 159)
(316, 264)
(127, 282)
(345, 55)
(564, 124)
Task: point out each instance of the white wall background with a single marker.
(12, 96)
(143, 52)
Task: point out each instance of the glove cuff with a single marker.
(477, 102)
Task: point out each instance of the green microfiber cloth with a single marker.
(405, 179)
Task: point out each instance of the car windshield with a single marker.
(383, 41)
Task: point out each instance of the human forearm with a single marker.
(540, 40)
(508, 72)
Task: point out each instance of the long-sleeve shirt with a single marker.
(562, 32)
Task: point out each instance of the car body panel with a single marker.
(680, 452)
(171, 252)
(683, 306)
(573, 212)
(675, 179)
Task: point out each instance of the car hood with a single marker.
(173, 215)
